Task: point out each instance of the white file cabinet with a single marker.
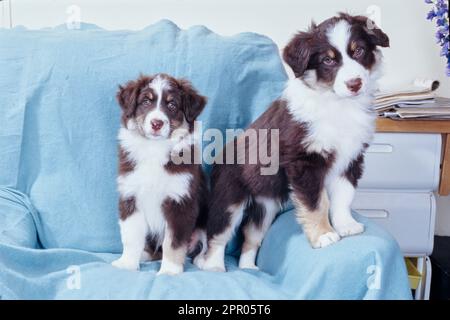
(396, 191)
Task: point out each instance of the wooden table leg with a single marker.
(444, 187)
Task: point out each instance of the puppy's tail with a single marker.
(198, 245)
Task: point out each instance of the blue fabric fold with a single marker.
(17, 214)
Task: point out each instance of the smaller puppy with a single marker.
(162, 202)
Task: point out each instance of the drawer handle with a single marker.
(373, 213)
(380, 148)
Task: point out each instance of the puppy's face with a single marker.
(156, 106)
(340, 54)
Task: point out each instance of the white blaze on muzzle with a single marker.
(156, 123)
(350, 70)
(152, 128)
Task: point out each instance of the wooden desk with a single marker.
(425, 126)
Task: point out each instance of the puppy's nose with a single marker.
(157, 124)
(354, 85)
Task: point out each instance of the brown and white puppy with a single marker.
(325, 122)
(162, 204)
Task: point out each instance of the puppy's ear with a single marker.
(375, 34)
(298, 52)
(193, 103)
(127, 97)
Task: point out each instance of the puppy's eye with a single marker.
(172, 106)
(329, 61)
(358, 52)
(146, 102)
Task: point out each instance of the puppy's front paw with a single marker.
(170, 270)
(199, 261)
(145, 256)
(127, 264)
(248, 265)
(326, 239)
(214, 268)
(349, 229)
(213, 264)
(247, 260)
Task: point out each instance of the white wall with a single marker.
(413, 51)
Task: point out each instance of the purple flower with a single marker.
(444, 51)
(431, 15)
(439, 36)
(440, 13)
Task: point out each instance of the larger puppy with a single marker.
(162, 200)
(325, 122)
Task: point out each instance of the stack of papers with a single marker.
(418, 101)
(440, 109)
(422, 92)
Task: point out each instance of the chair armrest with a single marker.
(17, 214)
(365, 266)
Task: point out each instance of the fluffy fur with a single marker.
(325, 122)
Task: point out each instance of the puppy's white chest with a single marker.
(341, 132)
(149, 182)
(151, 185)
(337, 126)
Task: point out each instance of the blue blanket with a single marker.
(58, 198)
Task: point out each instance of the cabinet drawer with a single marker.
(402, 161)
(409, 217)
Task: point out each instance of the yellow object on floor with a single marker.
(413, 274)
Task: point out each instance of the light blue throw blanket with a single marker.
(58, 164)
